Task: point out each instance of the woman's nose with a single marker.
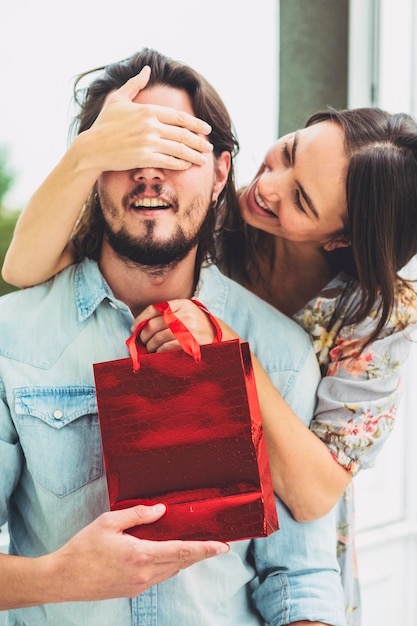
(271, 184)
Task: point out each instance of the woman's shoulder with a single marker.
(342, 295)
(334, 302)
(405, 309)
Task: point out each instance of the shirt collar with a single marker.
(91, 289)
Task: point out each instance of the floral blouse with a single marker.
(358, 396)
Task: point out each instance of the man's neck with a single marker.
(138, 286)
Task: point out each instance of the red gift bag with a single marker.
(184, 428)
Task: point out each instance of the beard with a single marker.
(146, 251)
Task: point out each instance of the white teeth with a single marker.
(260, 201)
(150, 203)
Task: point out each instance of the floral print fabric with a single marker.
(358, 396)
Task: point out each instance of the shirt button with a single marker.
(58, 414)
(113, 305)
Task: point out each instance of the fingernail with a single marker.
(158, 508)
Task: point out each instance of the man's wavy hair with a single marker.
(207, 105)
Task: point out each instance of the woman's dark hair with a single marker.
(207, 105)
(381, 220)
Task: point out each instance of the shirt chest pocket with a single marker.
(60, 436)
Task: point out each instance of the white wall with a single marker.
(44, 44)
(382, 73)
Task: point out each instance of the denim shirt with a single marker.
(51, 467)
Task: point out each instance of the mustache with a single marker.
(158, 190)
(141, 188)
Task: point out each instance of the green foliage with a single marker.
(6, 176)
(7, 218)
(7, 224)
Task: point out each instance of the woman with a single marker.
(334, 267)
(315, 194)
(322, 233)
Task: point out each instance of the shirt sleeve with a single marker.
(358, 396)
(299, 578)
(300, 392)
(298, 573)
(11, 457)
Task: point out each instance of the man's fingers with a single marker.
(183, 553)
(198, 550)
(148, 314)
(147, 514)
(135, 516)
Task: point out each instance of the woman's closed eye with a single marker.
(297, 202)
(297, 196)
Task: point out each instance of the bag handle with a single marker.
(184, 337)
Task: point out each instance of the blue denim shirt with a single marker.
(51, 467)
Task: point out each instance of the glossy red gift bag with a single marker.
(184, 428)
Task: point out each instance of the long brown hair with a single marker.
(207, 105)
(381, 220)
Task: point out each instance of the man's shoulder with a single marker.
(232, 299)
(19, 307)
(18, 301)
(35, 314)
(271, 334)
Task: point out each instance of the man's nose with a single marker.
(148, 174)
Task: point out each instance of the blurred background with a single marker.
(273, 62)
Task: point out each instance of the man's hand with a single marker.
(102, 561)
(156, 335)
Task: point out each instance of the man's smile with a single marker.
(150, 203)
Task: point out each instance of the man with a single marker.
(146, 233)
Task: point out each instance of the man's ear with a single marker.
(221, 172)
(337, 242)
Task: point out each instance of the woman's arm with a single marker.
(304, 473)
(356, 409)
(125, 136)
(358, 399)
